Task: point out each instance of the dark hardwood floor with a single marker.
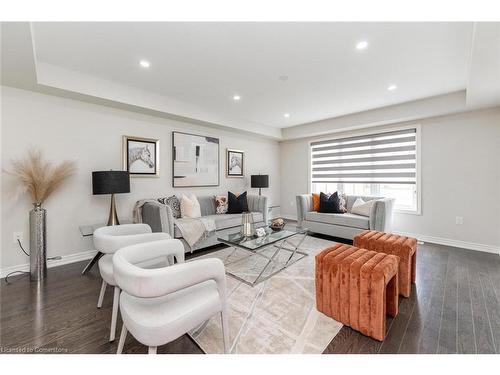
(454, 308)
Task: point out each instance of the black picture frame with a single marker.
(153, 146)
(239, 156)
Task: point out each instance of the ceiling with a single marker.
(311, 71)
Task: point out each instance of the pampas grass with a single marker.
(40, 178)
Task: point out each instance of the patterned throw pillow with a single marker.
(342, 202)
(174, 203)
(334, 203)
(220, 204)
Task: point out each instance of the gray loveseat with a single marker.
(345, 225)
(161, 219)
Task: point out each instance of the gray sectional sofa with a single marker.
(161, 219)
(345, 225)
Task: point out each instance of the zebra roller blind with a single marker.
(382, 158)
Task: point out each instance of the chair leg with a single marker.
(152, 350)
(225, 331)
(101, 294)
(121, 343)
(114, 315)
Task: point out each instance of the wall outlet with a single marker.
(459, 220)
(17, 236)
(292, 203)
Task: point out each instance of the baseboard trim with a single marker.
(65, 259)
(438, 240)
(454, 243)
(84, 255)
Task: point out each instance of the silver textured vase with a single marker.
(38, 243)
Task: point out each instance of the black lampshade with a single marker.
(110, 182)
(260, 181)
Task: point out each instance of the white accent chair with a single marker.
(108, 240)
(160, 305)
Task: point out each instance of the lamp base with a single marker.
(113, 218)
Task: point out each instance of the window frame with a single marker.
(370, 131)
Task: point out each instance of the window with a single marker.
(380, 164)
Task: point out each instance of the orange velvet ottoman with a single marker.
(404, 247)
(357, 287)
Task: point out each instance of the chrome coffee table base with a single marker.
(293, 250)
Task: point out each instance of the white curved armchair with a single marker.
(159, 305)
(108, 240)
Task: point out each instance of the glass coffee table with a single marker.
(260, 258)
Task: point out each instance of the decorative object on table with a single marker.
(260, 181)
(174, 203)
(237, 204)
(221, 204)
(39, 179)
(247, 225)
(332, 204)
(141, 156)
(260, 232)
(111, 182)
(235, 163)
(277, 224)
(195, 160)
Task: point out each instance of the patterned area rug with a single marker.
(277, 316)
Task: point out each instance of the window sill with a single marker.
(408, 212)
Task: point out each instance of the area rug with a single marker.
(277, 316)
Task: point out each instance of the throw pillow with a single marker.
(315, 201)
(174, 203)
(220, 204)
(331, 204)
(360, 207)
(237, 204)
(190, 207)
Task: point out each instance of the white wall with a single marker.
(460, 156)
(92, 135)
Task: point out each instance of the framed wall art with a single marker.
(141, 156)
(235, 163)
(195, 160)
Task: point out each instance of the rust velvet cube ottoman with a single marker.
(404, 247)
(357, 287)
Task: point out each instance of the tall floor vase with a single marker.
(38, 243)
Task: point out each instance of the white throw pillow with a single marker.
(360, 207)
(190, 207)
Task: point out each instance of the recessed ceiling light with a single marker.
(362, 45)
(286, 115)
(392, 87)
(144, 63)
(236, 98)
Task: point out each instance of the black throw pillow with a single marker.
(330, 204)
(237, 204)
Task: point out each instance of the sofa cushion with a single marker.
(207, 204)
(347, 219)
(237, 204)
(224, 221)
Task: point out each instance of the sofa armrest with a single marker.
(258, 203)
(159, 217)
(381, 215)
(304, 205)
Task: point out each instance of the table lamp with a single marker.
(111, 182)
(260, 181)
